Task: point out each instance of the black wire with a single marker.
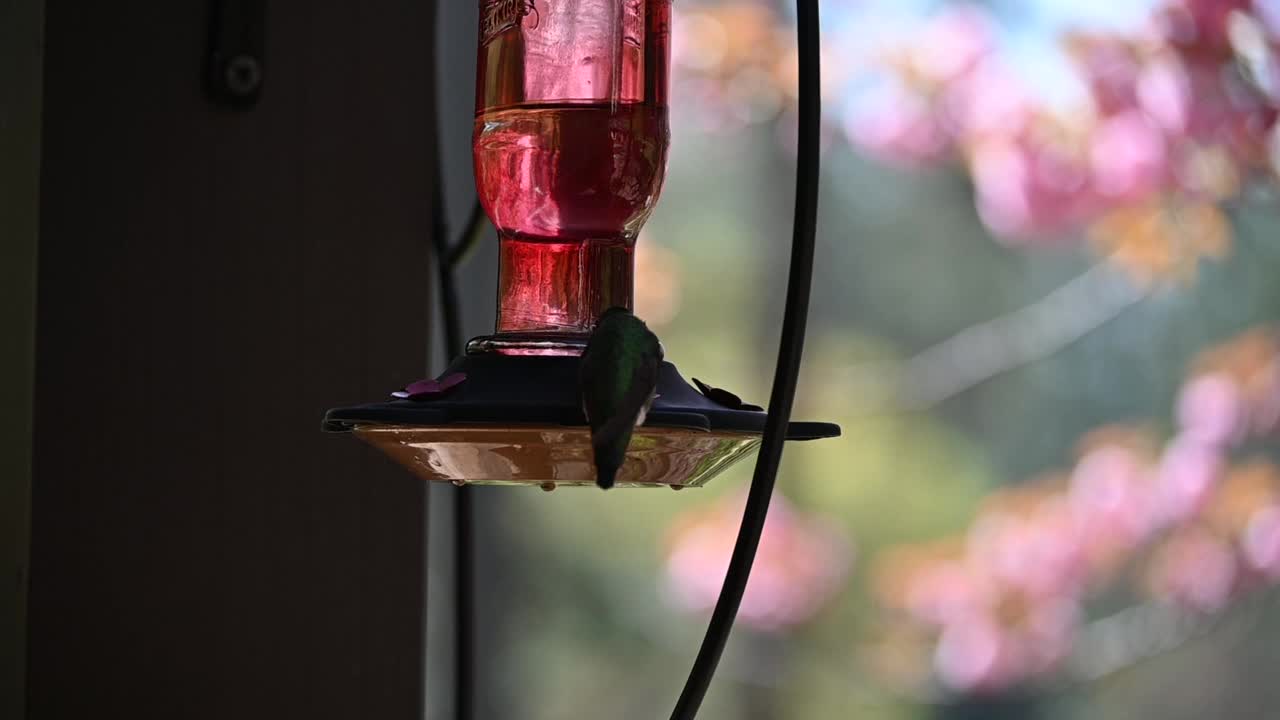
(785, 376)
(463, 565)
(448, 286)
(446, 260)
(463, 554)
(464, 613)
(471, 236)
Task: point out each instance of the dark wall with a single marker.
(19, 210)
(210, 281)
(456, 35)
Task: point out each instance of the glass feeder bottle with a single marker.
(570, 149)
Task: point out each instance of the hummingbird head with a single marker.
(615, 310)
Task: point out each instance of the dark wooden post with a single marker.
(210, 280)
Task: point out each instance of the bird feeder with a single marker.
(570, 148)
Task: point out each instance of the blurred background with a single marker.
(1045, 317)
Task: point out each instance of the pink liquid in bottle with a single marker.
(570, 148)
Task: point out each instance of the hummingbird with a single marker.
(617, 379)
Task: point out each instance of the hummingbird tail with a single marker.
(606, 472)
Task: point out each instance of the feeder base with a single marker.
(552, 456)
(517, 419)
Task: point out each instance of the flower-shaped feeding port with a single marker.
(430, 388)
(570, 153)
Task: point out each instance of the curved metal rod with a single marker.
(447, 257)
(463, 538)
(785, 376)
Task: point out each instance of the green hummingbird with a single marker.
(617, 379)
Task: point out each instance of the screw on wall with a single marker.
(234, 71)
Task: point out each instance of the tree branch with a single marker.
(984, 351)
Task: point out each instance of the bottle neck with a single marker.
(560, 288)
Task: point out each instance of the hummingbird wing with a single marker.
(613, 420)
(631, 409)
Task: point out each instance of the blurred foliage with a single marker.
(587, 629)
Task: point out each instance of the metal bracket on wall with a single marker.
(234, 66)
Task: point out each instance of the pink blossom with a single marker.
(1225, 110)
(1264, 410)
(1110, 67)
(1128, 156)
(898, 127)
(953, 41)
(1198, 24)
(1164, 92)
(980, 652)
(1050, 633)
(1211, 410)
(1186, 477)
(800, 564)
(973, 654)
(1027, 190)
(1261, 542)
(943, 592)
(1109, 493)
(1195, 569)
(1039, 554)
(988, 101)
(1002, 174)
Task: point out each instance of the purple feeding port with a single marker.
(428, 389)
(724, 397)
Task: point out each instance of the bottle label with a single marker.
(499, 16)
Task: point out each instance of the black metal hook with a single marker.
(234, 65)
